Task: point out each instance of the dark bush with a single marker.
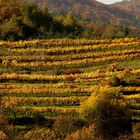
(10, 36)
(38, 118)
(0, 61)
(115, 81)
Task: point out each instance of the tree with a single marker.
(9, 8)
(14, 29)
(19, 21)
(109, 112)
(12, 25)
(71, 25)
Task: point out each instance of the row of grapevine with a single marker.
(64, 42)
(29, 85)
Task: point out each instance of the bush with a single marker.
(83, 134)
(12, 29)
(115, 81)
(38, 118)
(88, 133)
(65, 125)
(109, 111)
(40, 134)
(132, 81)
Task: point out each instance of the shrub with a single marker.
(65, 125)
(12, 29)
(132, 81)
(109, 111)
(115, 81)
(87, 133)
(38, 118)
(40, 134)
(10, 36)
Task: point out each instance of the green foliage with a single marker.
(24, 21)
(19, 20)
(132, 80)
(71, 25)
(116, 81)
(14, 29)
(106, 30)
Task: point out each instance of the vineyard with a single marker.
(53, 77)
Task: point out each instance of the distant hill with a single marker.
(132, 6)
(91, 10)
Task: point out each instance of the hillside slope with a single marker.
(129, 5)
(44, 80)
(91, 10)
(68, 71)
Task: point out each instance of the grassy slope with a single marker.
(66, 85)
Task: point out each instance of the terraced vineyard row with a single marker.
(54, 77)
(63, 42)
